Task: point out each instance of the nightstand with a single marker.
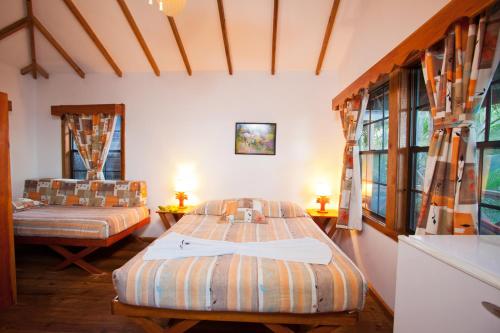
(171, 216)
(326, 221)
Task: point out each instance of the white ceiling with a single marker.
(359, 27)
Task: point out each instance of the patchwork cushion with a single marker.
(25, 203)
(243, 210)
(89, 193)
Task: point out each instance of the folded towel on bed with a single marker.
(174, 245)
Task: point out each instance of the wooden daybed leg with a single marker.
(76, 258)
(181, 326)
(276, 328)
(148, 325)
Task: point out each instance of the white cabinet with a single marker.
(442, 282)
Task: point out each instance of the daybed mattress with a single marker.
(240, 283)
(76, 222)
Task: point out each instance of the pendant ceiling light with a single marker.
(169, 7)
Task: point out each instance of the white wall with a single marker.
(176, 120)
(22, 93)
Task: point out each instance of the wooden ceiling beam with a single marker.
(328, 32)
(42, 71)
(178, 40)
(31, 30)
(13, 27)
(275, 33)
(58, 47)
(222, 18)
(425, 36)
(90, 32)
(89, 109)
(138, 35)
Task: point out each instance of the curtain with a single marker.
(92, 135)
(350, 211)
(457, 75)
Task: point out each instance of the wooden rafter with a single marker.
(58, 47)
(13, 27)
(138, 35)
(83, 22)
(222, 18)
(275, 33)
(178, 40)
(328, 32)
(29, 8)
(31, 22)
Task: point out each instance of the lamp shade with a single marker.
(322, 189)
(173, 7)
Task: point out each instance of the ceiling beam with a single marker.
(13, 27)
(328, 32)
(31, 30)
(222, 18)
(85, 25)
(275, 32)
(58, 47)
(138, 35)
(178, 40)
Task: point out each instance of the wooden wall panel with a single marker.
(7, 261)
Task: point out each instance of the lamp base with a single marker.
(322, 200)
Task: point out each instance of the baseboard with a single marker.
(387, 309)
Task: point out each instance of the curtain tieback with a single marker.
(351, 143)
(454, 121)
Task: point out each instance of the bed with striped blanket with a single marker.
(243, 284)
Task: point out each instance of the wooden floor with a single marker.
(74, 301)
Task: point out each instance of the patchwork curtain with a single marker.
(350, 211)
(93, 135)
(457, 76)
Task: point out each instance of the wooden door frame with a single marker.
(7, 260)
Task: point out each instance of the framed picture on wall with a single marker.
(255, 139)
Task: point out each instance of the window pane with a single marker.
(79, 170)
(386, 103)
(376, 136)
(495, 114)
(491, 177)
(423, 98)
(79, 174)
(363, 142)
(382, 200)
(480, 122)
(489, 223)
(363, 167)
(386, 134)
(373, 203)
(383, 169)
(419, 170)
(371, 171)
(366, 117)
(113, 164)
(377, 110)
(366, 192)
(417, 204)
(423, 128)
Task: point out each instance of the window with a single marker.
(488, 155)
(113, 168)
(488, 152)
(373, 153)
(420, 130)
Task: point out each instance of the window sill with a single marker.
(379, 226)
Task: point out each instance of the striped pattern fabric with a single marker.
(76, 222)
(92, 193)
(457, 76)
(93, 135)
(271, 208)
(350, 211)
(241, 283)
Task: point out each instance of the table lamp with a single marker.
(181, 186)
(323, 192)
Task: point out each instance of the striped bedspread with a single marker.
(76, 222)
(240, 283)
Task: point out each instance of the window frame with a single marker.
(67, 151)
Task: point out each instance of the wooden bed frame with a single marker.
(89, 245)
(179, 321)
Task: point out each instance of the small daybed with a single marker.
(242, 288)
(81, 213)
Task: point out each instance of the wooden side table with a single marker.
(170, 217)
(326, 221)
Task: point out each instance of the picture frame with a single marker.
(255, 138)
